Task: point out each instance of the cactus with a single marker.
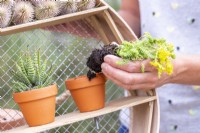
(47, 9)
(31, 72)
(6, 3)
(68, 7)
(86, 4)
(23, 12)
(5, 16)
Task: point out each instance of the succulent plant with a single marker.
(31, 72)
(7, 3)
(86, 4)
(23, 12)
(158, 50)
(69, 6)
(5, 16)
(47, 9)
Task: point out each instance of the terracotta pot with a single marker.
(38, 105)
(88, 95)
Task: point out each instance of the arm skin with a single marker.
(130, 77)
(130, 13)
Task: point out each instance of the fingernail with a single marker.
(104, 67)
(107, 59)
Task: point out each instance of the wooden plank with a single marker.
(156, 117)
(149, 119)
(100, 30)
(105, 27)
(51, 21)
(113, 27)
(76, 116)
(142, 121)
(123, 27)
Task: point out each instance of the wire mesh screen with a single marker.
(67, 47)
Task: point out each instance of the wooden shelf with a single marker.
(77, 116)
(111, 27)
(52, 21)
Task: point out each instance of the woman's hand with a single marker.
(130, 76)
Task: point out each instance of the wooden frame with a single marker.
(111, 27)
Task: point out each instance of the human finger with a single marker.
(145, 86)
(126, 77)
(131, 66)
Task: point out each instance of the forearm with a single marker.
(186, 70)
(132, 20)
(130, 12)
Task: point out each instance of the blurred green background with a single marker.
(114, 3)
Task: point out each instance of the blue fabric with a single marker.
(123, 129)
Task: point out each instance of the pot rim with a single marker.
(82, 81)
(36, 94)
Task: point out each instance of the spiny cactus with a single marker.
(31, 72)
(47, 9)
(5, 16)
(6, 3)
(68, 7)
(86, 4)
(23, 12)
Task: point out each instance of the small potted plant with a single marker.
(89, 95)
(88, 91)
(34, 91)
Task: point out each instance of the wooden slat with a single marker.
(51, 21)
(113, 27)
(123, 27)
(76, 116)
(149, 119)
(99, 29)
(156, 117)
(142, 121)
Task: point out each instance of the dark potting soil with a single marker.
(97, 58)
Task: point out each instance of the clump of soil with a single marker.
(97, 58)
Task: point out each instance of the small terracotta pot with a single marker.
(38, 105)
(88, 95)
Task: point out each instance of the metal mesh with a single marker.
(68, 52)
